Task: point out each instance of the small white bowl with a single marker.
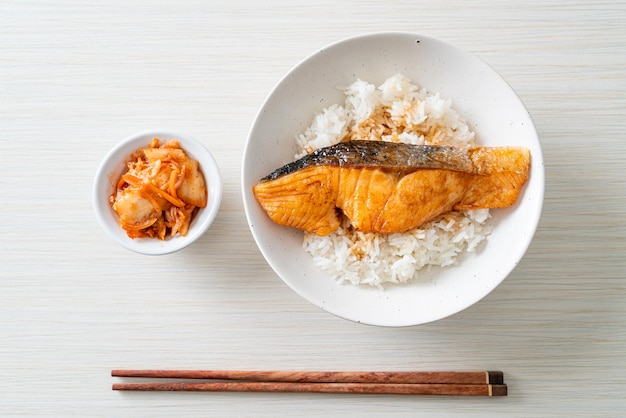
(482, 97)
(114, 164)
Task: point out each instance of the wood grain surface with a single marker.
(77, 77)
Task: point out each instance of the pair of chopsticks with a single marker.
(471, 383)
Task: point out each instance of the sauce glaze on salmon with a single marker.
(387, 187)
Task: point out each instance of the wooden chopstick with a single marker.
(363, 388)
(444, 377)
(481, 383)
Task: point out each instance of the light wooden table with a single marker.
(76, 77)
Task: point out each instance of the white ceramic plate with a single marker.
(478, 93)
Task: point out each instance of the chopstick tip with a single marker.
(495, 377)
(498, 390)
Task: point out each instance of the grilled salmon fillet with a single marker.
(386, 187)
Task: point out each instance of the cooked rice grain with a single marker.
(399, 111)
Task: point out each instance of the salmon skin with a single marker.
(386, 187)
(388, 155)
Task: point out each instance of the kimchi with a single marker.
(160, 193)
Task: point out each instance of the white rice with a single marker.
(399, 111)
